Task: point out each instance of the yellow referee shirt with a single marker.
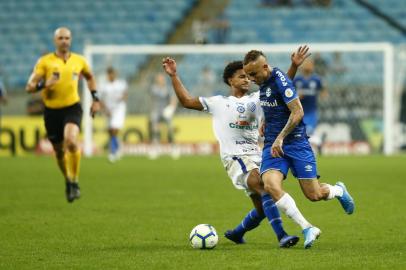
(65, 92)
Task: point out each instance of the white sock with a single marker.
(335, 191)
(287, 205)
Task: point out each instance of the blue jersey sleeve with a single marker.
(285, 87)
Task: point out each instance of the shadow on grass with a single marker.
(158, 247)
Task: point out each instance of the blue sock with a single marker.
(113, 144)
(251, 221)
(272, 213)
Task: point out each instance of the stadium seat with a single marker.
(28, 31)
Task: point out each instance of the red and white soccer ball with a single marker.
(203, 236)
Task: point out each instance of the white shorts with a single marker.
(117, 117)
(238, 169)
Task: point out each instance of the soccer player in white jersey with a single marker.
(236, 119)
(113, 94)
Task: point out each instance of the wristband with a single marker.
(40, 85)
(95, 95)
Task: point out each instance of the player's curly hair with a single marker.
(252, 56)
(230, 70)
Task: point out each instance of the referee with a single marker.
(57, 75)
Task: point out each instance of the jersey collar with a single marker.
(70, 54)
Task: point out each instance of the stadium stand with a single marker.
(27, 26)
(342, 21)
(393, 8)
(151, 21)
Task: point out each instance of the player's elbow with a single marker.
(184, 103)
(88, 76)
(29, 88)
(187, 103)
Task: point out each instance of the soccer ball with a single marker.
(203, 236)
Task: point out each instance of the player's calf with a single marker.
(314, 196)
(313, 190)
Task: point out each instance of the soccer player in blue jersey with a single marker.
(287, 147)
(309, 86)
(239, 148)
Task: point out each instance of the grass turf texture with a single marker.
(137, 214)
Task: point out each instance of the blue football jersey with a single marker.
(275, 93)
(310, 88)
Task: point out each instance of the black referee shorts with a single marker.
(56, 119)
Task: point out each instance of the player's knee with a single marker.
(71, 144)
(255, 184)
(273, 190)
(256, 188)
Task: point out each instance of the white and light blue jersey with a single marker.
(235, 123)
(275, 94)
(112, 93)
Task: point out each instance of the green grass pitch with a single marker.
(137, 214)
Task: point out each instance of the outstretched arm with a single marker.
(297, 59)
(182, 93)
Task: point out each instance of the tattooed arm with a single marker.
(296, 114)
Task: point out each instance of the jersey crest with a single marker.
(240, 109)
(268, 92)
(288, 93)
(251, 106)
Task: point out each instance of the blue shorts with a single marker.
(298, 156)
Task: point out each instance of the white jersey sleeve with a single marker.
(259, 111)
(210, 103)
